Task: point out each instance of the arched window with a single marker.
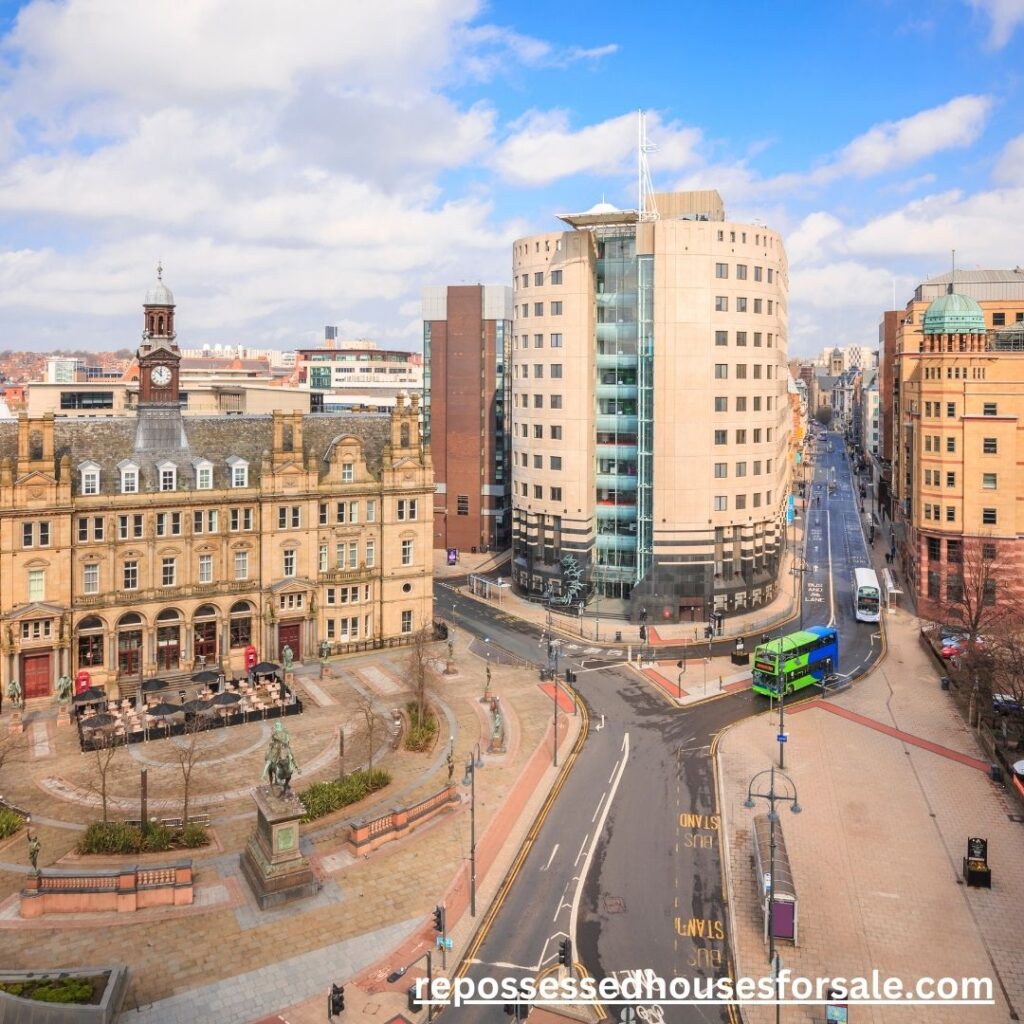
(404, 435)
(204, 633)
(160, 324)
(129, 644)
(90, 642)
(129, 619)
(168, 639)
(241, 624)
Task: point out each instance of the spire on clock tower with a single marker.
(158, 312)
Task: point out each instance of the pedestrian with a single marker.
(888, 558)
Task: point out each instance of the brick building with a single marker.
(156, 543)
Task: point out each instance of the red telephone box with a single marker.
(251, 657)
(82, 681)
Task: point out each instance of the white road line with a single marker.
(582, 848)
(831, 581)
(598, 807)
(561, 901)
(508, 967)
(578, 895)
(551, 858)
(615, 768)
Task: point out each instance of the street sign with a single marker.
(782, 737)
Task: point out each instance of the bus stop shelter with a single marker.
(785, 916)
(487, 588)
(891, 588)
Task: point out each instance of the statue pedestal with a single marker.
(63, 715)
(271, 862)
(15, 725)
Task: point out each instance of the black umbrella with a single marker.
(98, 721)
(205, 677)
(163, 709)
(194, 707)
(93, 693)
(266, 668)
(153, 685)
(228, 697)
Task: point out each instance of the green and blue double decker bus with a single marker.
(789, 663)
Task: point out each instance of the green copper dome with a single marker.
(954, 314)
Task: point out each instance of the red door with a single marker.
(35, 675)
(290, 633)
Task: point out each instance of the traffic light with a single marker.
(439, 923)
(414, 1004)
(565, 952)
(336, 1001)
(709, 632)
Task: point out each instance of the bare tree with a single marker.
(189, 754)
(106, 743)
(422, 673)
(13, 750)
(373, 722)
(979, 589)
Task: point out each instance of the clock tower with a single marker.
(159, 408)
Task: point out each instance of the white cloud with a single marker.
(1009, 169)
(807, 243)
(544, 148)
(1005, 15)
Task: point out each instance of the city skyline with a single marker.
(325, 166)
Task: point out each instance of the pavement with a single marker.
(892, 783)
(224, 960)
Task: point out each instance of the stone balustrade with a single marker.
(121, 890)
(368, 835)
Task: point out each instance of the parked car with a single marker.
(1018, 770)
(1007, 704)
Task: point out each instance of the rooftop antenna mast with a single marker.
(647, 209)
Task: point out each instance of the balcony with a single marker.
(617, 422)
(616, 481)
(347, 575)
(619, 391)
(616, 360)
(617, 334)
(606, 512)
(616, 451)
(616, 542)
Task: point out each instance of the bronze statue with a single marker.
(287, 656)
(14, 693)
(279, 765)
(34, 847)
(64, 688)
(451, 765)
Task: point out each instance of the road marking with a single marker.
(561, 903)
(551, 858)
(831, 581)
(509, 967)
(582, 847)
(578, 895)
(615, 768)
(598, 807)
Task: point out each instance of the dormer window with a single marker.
(168, 476)
(348, 473)
(204, 475)
(90, 477)
(239, 470)
(129, 477)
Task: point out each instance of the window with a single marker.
(741, 437)
(348, 472)
(757, 273)
(556, 433)
(741, 304)
(741, 502)
(998, 319)
(990, 409)
(538, 401)
(28, 533)
(721, 303)
(129, 480)
(988, 551)
(538, 342)
(721, 404)
(288, 563)
(989, 517)
(951, 479)
(538, 278)
(556, 462)
(241, 565)
(741, 371)
(556, 340)
(950, 514)
(538, 491)
(204, 477)
(721, 470)
(990, 445)
(408, 550)
(954, 587)
(556, 401)
(757, 499)
(526, 309)
(741, 272)
(741, 403)
(556, 493)
(769, 307)
(556, 371)
(934, 550)
(406, 509)
(988, 593)
(721, 270)
(721, 337)
(91, 578)
(240, 474)
(168, 572)
(90, 481)
(721, 371)
(950, 444)
(741, 337)
(721, 437)
(556, 277)
(954, 551)
(206, 568)
(323, 556)
(721, 503)
(757, 467)
(36, 585)
(951, 409)
(538, 370)
(538, 309)
(771, 275)
(371, 554)
(741, 469)
(556, 309)
(757, 305)
(407, 622)
(757, 435)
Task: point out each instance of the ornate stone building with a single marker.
(152, 544)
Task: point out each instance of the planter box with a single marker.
(15, 1010)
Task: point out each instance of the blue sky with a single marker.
(315, 162)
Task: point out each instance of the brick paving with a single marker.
(890, 791)
(232, 962)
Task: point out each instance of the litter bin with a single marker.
(944, 682)
(618, 636)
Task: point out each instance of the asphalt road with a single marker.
(627, 861)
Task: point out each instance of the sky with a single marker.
(319, 162)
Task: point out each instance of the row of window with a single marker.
(722, 272)
(554, 370)
(935, 409)
(555, 462)
(722, 436)
(523, 250)
(722, 403)
(722, 468)
(955, 550)
(554, 431)
(989, 445)
(722, 371)
(758, 239)
(954, 373)
(721, 501)
(955, 588)
(989, 516)
(555, 401)
(554, 308)
(167, 476)
(933, 478)
(346, 630)
(743, 306)
(538, 492)
(722, 338)
(523, 281)
(554, 341)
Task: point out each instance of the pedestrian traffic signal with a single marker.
(415, 1004)
(439, 922)
(565, 952)
(335, 1001)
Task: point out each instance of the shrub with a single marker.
(9, 822)
(117, 837)
(324, 797)
(193, 836)
(421, 734)
(157, 839)
(55, 990)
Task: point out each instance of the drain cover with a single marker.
(614, 904)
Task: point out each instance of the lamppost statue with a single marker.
(473, 762)
(773, 798)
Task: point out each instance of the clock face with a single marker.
(160, 376)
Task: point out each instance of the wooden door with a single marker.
(290, 633)
(35, 675)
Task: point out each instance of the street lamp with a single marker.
(772, 797)
(472, 764)
(798, 569)
(395, 975)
